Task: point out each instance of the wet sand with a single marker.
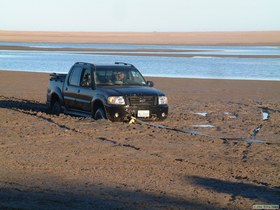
(138, 52)
(171, 38)
(67, 162)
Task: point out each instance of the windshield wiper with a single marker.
(104, 84)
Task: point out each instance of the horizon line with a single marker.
(225, 31)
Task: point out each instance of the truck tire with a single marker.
(56, 108)
(100, 114)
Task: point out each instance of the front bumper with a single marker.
(117, 113)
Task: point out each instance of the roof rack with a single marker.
(83, 63)
(123, 63)
(79, 62)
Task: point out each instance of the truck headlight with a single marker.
(117, 100)
(162, 100)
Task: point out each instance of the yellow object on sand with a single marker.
(133, 120)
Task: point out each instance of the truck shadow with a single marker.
(264, 193)
(93, 198)
(29, 107)
(22, 104)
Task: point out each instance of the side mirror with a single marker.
(150, 83)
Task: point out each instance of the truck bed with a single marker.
(55, 76)
(56, 82)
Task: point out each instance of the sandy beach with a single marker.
(167, 38)
(67, 162)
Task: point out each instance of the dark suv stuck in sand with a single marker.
(114, 91)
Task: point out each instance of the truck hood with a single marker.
(131, 91)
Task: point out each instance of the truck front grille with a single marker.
(141, 100)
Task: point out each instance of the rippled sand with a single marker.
(66, 162)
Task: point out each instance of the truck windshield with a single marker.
(118, 76)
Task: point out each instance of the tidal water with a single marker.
(153, 60)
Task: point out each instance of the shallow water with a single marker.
(204, 126)
(265, 115)
(199, 66)
(254, 141)
(230, 115)
(204, 114)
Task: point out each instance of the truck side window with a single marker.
(75, 76)
(86, 78)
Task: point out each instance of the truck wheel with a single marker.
(56, 108)
(100, 114)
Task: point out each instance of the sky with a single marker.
(140, 15)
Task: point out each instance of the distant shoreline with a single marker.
(268, 38)
(136, 52)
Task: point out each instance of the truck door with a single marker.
(71, 87)
(85, 91)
